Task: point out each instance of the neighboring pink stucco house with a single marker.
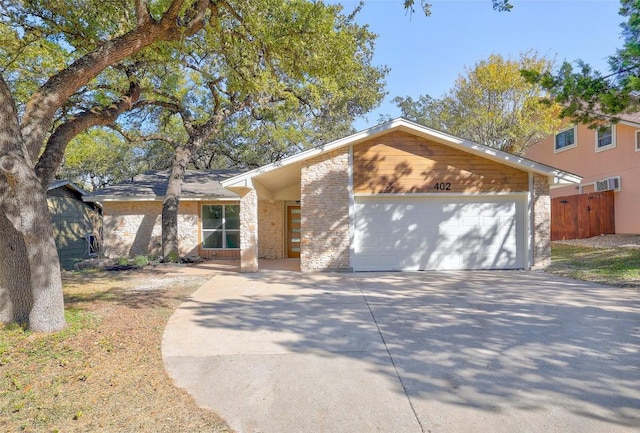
(606, 159)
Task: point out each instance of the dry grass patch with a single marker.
(104, 372)
(613, 266)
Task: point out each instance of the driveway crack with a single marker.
(393, 363)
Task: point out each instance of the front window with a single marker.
(605, 138)
(221, 226)
(565, 139)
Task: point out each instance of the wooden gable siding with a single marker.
(399, 162)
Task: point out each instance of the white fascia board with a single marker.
(627, 123)
(70, 185)
(491, 153)
(560, 177)
(106, 198)
(422, 131)
(241, 179)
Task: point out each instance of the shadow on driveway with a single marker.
(429, 351)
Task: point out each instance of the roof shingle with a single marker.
(153, 186)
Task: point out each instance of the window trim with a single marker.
(608, 146)
(93, 248)
(224, 229)
(571, 146)
(635, 133)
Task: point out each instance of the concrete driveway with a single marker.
(284, 352)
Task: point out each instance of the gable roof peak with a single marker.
(416, 129)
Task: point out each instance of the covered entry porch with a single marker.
(270, 218)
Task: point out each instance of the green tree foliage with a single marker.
(57, 55)
(491, 104)
(589, 96)
(248, 141)
(425, 6)
(100, 156)
(70, 65)
(294, 61)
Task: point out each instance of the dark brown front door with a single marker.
(293, 232)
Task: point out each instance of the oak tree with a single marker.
(65, 70)
(295, 61)
(90, 36)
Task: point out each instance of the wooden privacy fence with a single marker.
(582, 216)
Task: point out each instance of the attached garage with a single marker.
(439, 233)
(400, 196)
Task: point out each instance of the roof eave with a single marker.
(111, 198)
(244, 180)
(70, 185)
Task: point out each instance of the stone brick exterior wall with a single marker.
(249, 232)
(541, 222)
(325, 212)
(188, 228)
(271, 229)
(132, 228)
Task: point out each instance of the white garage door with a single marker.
(438, 233)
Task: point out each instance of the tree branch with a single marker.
(43, 104)
(143, 138)
(10, 141)
(169, 106)
(51, 158)
(142, 12)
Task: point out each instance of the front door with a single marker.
(293, 232)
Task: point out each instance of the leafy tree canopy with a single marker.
(491, 103)
(70, 65)
(101, 156)
(301, 81)
(589, 96)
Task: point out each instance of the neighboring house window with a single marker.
(566, 139)
(92, 244)
(605, 138)
(221, 226)
(637, 133)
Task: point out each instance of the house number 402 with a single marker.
(442, 186)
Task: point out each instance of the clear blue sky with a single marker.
(427, 54)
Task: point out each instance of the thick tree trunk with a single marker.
(30, 279)
(170, 243)
(197, 136)
(15, 296)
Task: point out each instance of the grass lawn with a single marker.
(610, 266)
(104, 372)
